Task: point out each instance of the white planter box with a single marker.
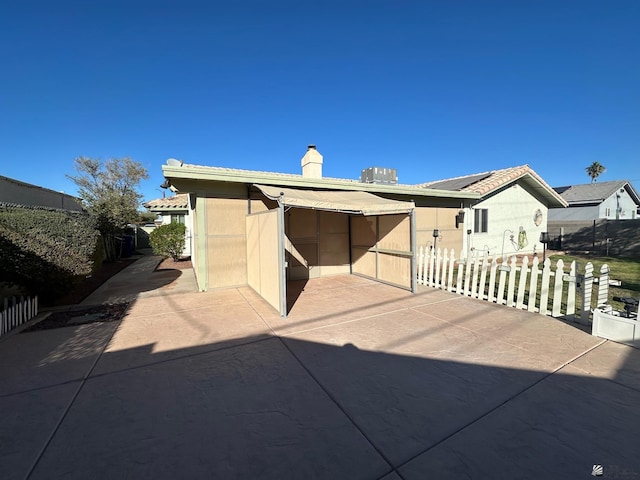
(614, 327)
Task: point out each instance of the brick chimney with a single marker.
(312, 163)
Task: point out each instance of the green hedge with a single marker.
(168, 240)
(44, 251)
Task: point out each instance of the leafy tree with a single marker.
(595, 170)
(168, 240)
(109, 191)
(146, 217)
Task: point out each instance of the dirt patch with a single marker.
(170, 264)
(99, 313)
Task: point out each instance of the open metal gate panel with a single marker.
(383, 248)
(265, 257)
(381, 231)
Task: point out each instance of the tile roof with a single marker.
(488, 182)
(177, 202)
(594, 192)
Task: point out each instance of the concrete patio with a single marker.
(361, 381)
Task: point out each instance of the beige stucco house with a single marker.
(266, 229)
(510, 213)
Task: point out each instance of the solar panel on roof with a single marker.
(458, 183)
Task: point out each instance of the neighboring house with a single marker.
(267, 229)
(176, 208)
(598, 201)
(511, 212)
(22, 193)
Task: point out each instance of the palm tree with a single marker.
(595, 170)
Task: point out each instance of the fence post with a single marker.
(544, 288)
(432, 255)
(512, 281)
(474, 280)
(504, 268)
(603, 286)
(420, 266)
(445, 261)
(452, 260)
(587, 289)
(557, 289)
(522, 284)
(483, 276)
(459, 279)
(571, 289)
(436, 282)
(467, 277)
(492, 281)
(533, 285)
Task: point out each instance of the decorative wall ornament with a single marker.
(537, 217)
(522, 238)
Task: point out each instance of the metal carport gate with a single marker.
(381, 238)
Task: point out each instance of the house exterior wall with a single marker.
(619, 206)
(226, 243)
(443, 219)
(14, 191)
(219, 235)
(512, 217)
(589, 212)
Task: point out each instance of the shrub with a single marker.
(168, 240)
(44, 251)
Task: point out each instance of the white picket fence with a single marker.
(16, 312)
(540, 287)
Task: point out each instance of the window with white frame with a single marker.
(480, 220)
(177, 218)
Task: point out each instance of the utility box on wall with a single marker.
(379, 175)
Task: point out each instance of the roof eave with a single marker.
(553, 198)
(196, 173)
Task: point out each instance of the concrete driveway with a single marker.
(361, 381)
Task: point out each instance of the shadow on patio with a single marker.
(398, 393)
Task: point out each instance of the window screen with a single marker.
(480, 220)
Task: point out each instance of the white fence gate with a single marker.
(16, 312)
(527, 285)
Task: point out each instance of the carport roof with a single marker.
(236, 175)
(336, 201)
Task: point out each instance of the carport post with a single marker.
(414, 284)
(281, 259)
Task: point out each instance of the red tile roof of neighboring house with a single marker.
(488, 182)
(177, 202)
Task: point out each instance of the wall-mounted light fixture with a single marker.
(436, 234)
(459, 218)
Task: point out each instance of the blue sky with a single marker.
(433, 89)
